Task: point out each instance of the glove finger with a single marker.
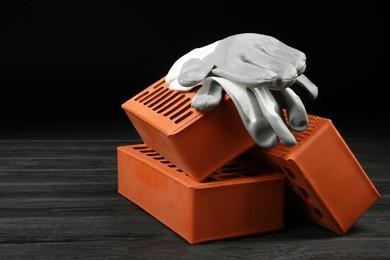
(286, 72)
(193, 72)
(251, 115)
(270, 109)
(296, 112)
(304, 82)
(198, 53)
(246, 73)
(208, 96)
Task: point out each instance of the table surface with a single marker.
(59, 200)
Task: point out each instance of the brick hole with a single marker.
(289, 173)
(150, 95)
(233, 167)
(181, 111)
(152, 154)
(229, 176)
(148, 151)
(140, 147)
(155, 95)
(304, 193)
(184, 117)
(318, 212)
(165, 161)
(209, 179)
(159, 158)
(141, 95)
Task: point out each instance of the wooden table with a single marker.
(59, 200)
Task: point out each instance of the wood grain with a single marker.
(59, 200)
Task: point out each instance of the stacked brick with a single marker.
(203, 176)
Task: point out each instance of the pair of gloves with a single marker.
(256, 71)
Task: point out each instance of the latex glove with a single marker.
(253, 60)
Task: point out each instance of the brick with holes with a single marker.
(324, 176)
(199, 143)
(240, 199)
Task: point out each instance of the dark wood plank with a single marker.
(156, 248)
(10, 149)
(54, 163)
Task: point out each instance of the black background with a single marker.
(67, 66)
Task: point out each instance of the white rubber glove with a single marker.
(250, 68)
